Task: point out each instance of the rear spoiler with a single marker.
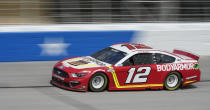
(188, 54)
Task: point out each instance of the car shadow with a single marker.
(181, 88)
(189, 87)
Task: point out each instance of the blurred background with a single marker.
(66, 26)
(102, 11)
(35, 34)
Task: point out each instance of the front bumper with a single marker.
(65, 87)
(78, 84)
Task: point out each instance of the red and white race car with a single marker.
(127, 66)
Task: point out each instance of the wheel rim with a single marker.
(172, 80)
(98, 82)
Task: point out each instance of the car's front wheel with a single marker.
(172, 81)
(98, 82)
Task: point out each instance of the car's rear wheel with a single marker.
(172, 81)
(98, 82)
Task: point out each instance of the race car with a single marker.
(127, 66)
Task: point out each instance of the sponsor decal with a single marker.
(95, 61)
(66, 62)
(77, 63)
(82, 62)
(196, 66)
(173, 67)
(191, 77)
(88, 65)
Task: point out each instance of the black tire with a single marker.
(171, 85)
(101, 85)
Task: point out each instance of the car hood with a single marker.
(83, 62)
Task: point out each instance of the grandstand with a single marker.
(102, 11)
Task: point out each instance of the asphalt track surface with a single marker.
(25, 86)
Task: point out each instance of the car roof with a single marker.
(131, 47)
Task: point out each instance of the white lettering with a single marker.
(173, 67)
(158, 67)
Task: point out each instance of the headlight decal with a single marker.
(76, 75)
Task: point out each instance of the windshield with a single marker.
(109, 55)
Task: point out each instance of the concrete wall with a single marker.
(44, 46)
(192, 37)
(17, 42)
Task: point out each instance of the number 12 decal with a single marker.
(137, 78)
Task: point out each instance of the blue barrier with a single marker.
(45, 46)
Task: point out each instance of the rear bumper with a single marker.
(192, 79)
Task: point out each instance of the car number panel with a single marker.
(141, 76)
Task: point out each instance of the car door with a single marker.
(137, 71)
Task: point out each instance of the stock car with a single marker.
(127, 66)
